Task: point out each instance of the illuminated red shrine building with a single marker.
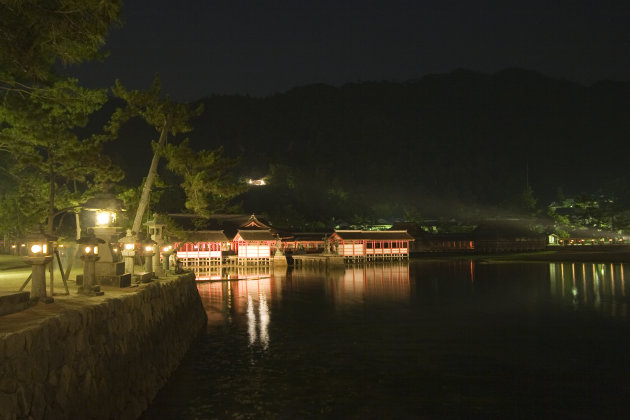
(371, 245)
(253, 223)
(303, 242)
(254, 246)
(203, 248)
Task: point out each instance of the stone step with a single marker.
(11, 302)
(144, 276)
(122, 280)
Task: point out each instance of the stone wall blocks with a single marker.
(28, 339)
(80, 366)
(62, 399)
(9, 404)
(23, 368)
(50, 393)
(8, 383)
(40, 369)
(38, 406)
(15, 343)
(72, 321)
(68, 350)
(55, 356)
(38, 341)
(87, 383)
(104, 359)
(53, 327)
(24, 399)
(3, 353)
(67, 378)
(80, 341)
(53, 378)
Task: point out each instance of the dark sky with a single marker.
(202, 47)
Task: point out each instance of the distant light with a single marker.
(257, 182)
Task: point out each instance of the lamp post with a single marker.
(89, 254)
(128, 244)
(39, 254)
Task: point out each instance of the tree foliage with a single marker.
(51, 167)
(154, 107)
(40, 138)
(206, 177)
(35, 35)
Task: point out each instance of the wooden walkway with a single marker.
(318, 259)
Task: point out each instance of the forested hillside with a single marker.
(443, 145)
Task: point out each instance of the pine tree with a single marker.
(50, 166)
(159, 112)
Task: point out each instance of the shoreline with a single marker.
(583, 253)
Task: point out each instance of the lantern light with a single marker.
(90, 245)
(89, 250)
(149, 246)
(103, 218)
(38, 245)
(105, 206)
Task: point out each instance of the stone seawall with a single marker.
(102, 357)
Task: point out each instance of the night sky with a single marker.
(204, 47)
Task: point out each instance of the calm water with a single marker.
(450, 339)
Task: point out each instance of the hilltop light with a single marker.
(257, 182)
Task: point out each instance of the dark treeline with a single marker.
(444, 145)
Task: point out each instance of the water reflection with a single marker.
(249, 299)
(258, 320)
(222, 273)
(431, 339)
(384, 282)
(600, 286)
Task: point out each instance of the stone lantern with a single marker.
(39, 255)
(279, 259)
(128, 250)
(90, 254)
(156, 230)
(148, 251)
(101, 214)
(167, 251)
